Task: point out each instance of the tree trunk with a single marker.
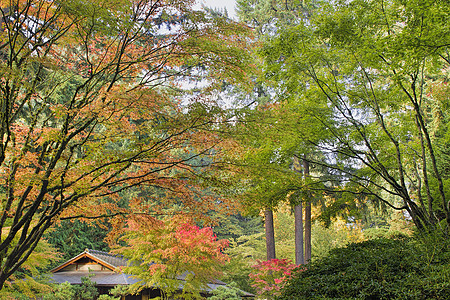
(298, 214)
(270, 233)
(298, 223)
(307, 217)
(308, 232)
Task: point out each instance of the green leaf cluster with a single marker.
(377, 269)
(73, 237)
(85, 291)
(365, 80)
(225, 293)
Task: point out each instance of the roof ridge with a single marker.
(94, 251)
(109, 260)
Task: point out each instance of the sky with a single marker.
(229, 4)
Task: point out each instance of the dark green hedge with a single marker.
(401, 268)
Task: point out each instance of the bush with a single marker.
(400, 268)
(65, 291)
(270, 276)
(231, 292)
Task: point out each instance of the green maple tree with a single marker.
(360, 75)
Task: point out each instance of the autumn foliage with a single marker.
(171, 254)
(271, 275)
(91, 95)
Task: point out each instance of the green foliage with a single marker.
(378, 269)
(245, 234)
(269, 15)
(243, 253)
(73, 237)
(326, 238)
(235, 226)
(284, 233)
(28, 281)
(365, 80)
(119, 290)
(107, 297)
(87, 289)
(231, 291)
(65, 291)
(249, 247)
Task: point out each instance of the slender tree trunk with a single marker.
(298, 223)
(298, 214)
(308, 232)
(270, 233)
(307, 217)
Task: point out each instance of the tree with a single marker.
(73, 237)
(244, 253)
(270, 234)
(230, 292)
(271, 168)
(264, 17)
(367, 84)
(298, 219)
(90, 106)
(62, 292)
(268, 17)
(271, 275)
(308, 223)
(27, 282)
(171, 254)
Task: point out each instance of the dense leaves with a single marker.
(271, 275)
(361, 85)
(172, 254)
(377, 269)
(109, 111)
(72, 238)
(230, 292)
(91, 95)
(29, 280)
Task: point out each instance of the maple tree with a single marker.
(267, 17)
(270, 276)
(169, 254)
(91, 96)
(27, 280)
(265, 163)
(365, 85)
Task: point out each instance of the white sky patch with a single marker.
(230, 5)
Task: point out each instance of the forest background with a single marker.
(137, 126)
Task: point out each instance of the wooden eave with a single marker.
(80, 256)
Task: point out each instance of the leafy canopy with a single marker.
(360, 75)
(91, 96)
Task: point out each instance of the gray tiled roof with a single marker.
(111, 259)
(101, 278)
(110, 278)
(105, 258)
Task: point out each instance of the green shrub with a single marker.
(231, 292)
(65, 291)
(400, 268)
